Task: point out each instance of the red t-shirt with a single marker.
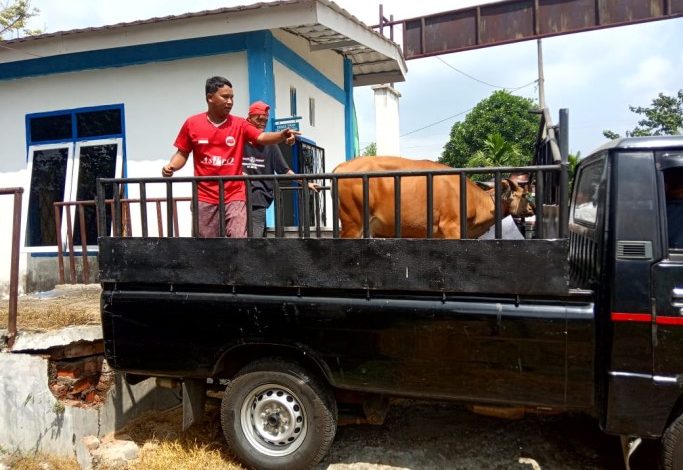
(217, 150)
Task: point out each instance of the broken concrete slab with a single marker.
(42, 341)
(32, 419)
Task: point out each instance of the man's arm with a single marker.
(285, 135)
(281, 168)
(311, 185)
(178, 161)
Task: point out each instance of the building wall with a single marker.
(157, 95)
(328, 131)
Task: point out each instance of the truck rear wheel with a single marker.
(276, 416)
(672, 446)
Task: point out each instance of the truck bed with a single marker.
(506, 267)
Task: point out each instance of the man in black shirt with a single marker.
(263, 160)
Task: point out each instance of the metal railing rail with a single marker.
(14, 263)
(331, 182)
(118, 183)
(125, 207)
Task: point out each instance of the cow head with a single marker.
(515, 199)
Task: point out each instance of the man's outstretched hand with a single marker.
(289, 136)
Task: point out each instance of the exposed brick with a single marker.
(83, 384)
(69, 374)
(69, 369)
(92, 365)
(90, 396)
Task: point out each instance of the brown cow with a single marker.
(446, 199)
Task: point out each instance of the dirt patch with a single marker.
(65, 305)
(431, 436)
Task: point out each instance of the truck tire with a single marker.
(672, 446)
(276, 416)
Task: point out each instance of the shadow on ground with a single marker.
(430, 436)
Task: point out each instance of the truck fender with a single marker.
(237, 356)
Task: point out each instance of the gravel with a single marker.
(431, 436)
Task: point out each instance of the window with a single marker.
(586, 201)
(98, 123)
(95, 160)
(48, 170)
(292, 101)
(50, 128)
(67, 152)
(673, 184)
(311, 111)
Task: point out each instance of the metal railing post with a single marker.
(564, 173)
(14, 264)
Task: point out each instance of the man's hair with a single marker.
(214, 83)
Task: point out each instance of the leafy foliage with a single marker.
(573, 160)
(611, 135)
(496, 152)
(14, 16)
(664, 117)
(500, 117)
(370, 149)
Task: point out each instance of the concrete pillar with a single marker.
(386, 119)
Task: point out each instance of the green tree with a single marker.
(611, 135)
(14, 15)
(501, 113)
(573, 160)
(370, 149)
(496, 152)
(664, 117)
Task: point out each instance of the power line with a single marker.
(458, 114)
(511, 90)
(435, 123)
(478, 80)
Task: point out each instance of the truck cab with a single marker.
(625, 245)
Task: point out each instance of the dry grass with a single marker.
(164, 446)
(18, 461)
(66, 305)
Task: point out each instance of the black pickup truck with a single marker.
(587, 315)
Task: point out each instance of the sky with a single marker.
(596, 75)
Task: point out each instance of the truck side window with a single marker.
(586, 201)
(673, 184)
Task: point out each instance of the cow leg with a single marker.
(350, 230)
(450, 229)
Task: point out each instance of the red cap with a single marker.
(258, 107)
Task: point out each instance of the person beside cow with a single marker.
(413, 214)
(216, 140)
(263, 160)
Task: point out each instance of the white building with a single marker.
(109, 101)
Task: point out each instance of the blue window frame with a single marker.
(67, 151)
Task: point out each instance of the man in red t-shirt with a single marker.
(216, 140)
